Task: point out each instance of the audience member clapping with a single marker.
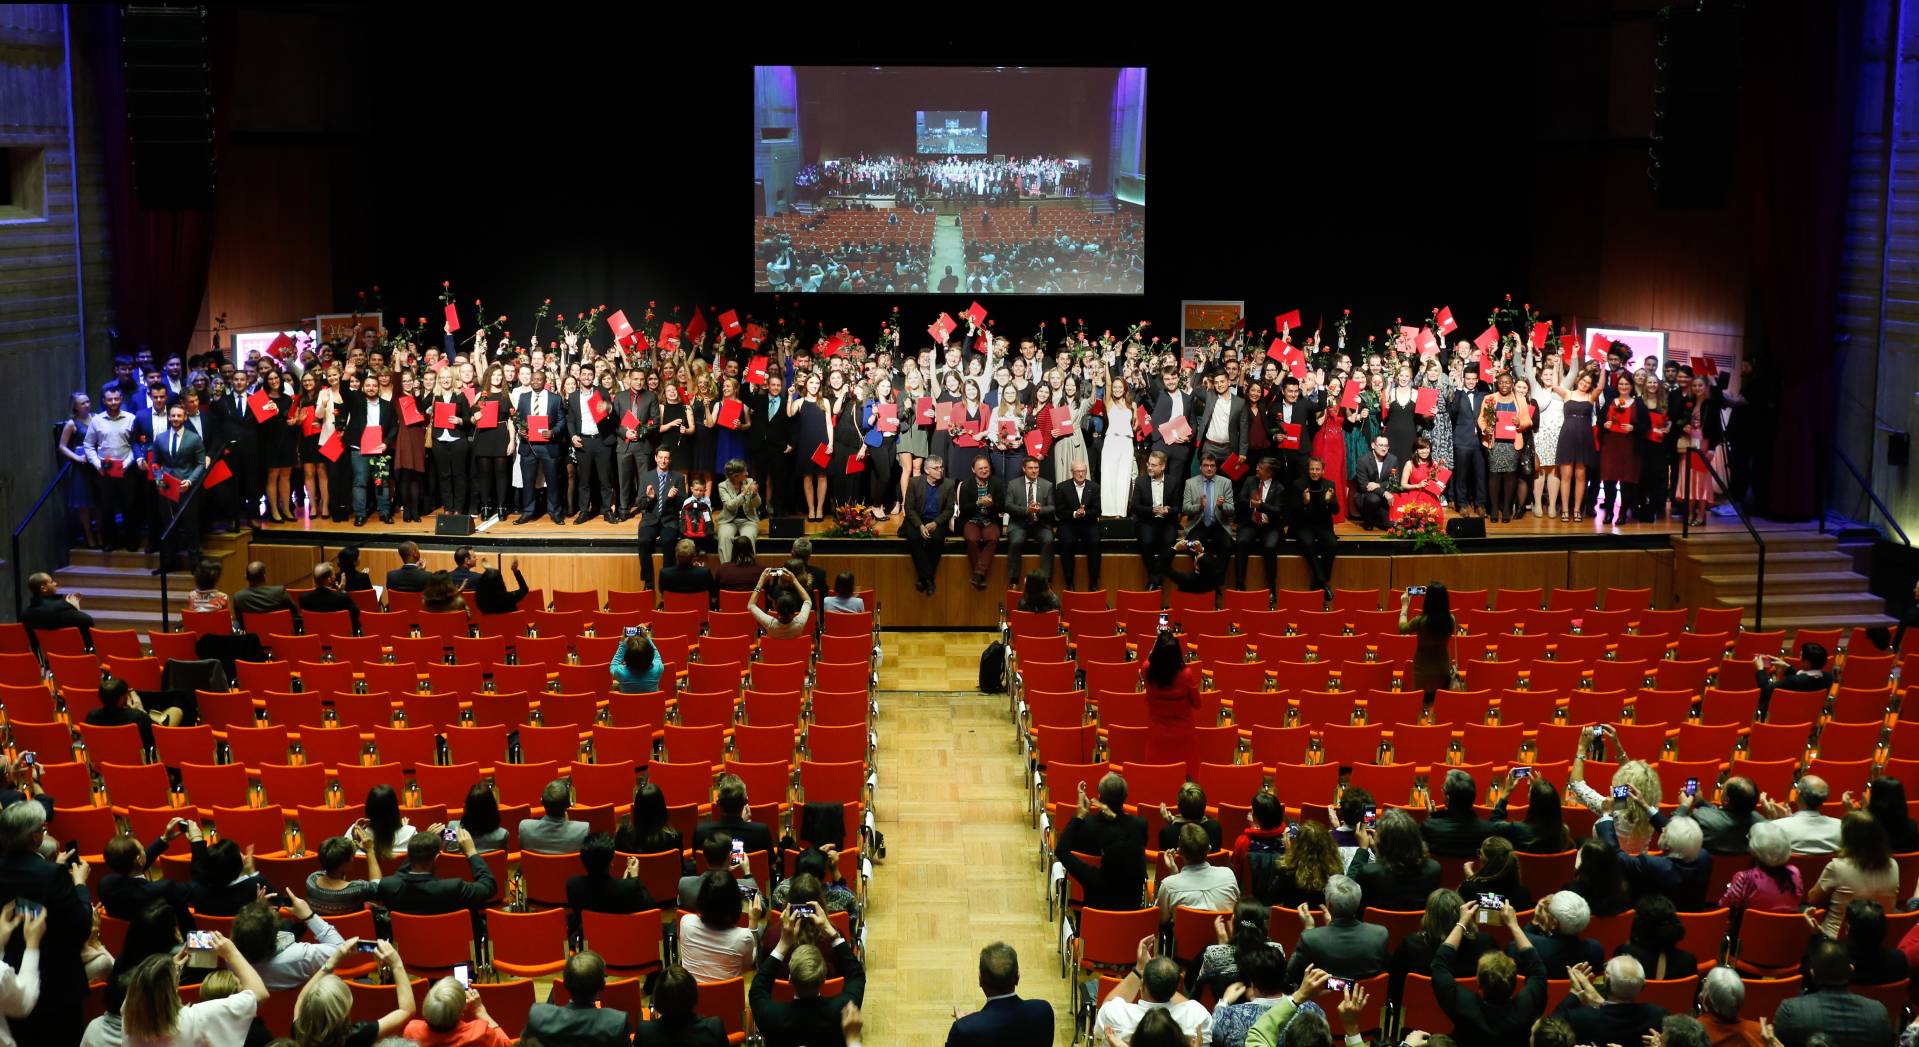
(1191, 880)
(1191, 809)
(1615, 1015)
(1152, 985)
(1005, 1018)
(1345, 947)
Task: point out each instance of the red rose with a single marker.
(1509, 298)
(446, 283)
(549, 301)
(362, 296)
(1526, 306)
(501, 320)
(650, 305)
(376, 288)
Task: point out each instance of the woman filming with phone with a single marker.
(1432, 655)
(1172, 696)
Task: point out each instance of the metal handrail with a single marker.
(19, 592)
(1759, 601)
(1866, 486)
(166, 555)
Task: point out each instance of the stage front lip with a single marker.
(504, 537)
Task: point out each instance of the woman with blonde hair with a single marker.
(153, 1015)
(322, 1015)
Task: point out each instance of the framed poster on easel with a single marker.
(1201, 320)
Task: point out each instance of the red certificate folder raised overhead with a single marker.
(410, 411)
(923, 411)
(730, 323)
(446, 415)
(539, 428)
(1426, 401)
(729, 417)
(1445, 318)
(1289, 436)
(332, 447)
(822, 455)
(452, 317)
(977, 314)
(1062, 421)
(886, 417)
(371, 440)
(756, 371)
(489, 414)
(1176, 430)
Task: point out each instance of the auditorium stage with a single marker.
(600, 556)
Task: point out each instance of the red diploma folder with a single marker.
(629, 420)
(923, 411)
(1289, 436)
(943, 414)
(452, 317)
(410, 412)
(756, 371)
(1505, 424)
(539, 428)
(970, 428)
(309, 422)
(822, 455)
(112, 467)
(1437, 485)
(1008, 430)
(1176, 430)
(445, 415)
(598, 407)
(887, 418)
(1426, 401)
(169, 485)
(1349, 394)
(977, 314)
(855, 464)
(1656, 420)
(489, 414)
(1062, 421)
(729, 414)
(730, 323)
(332, 447)
(1234, 466)
(371, 441)
(1036, 441)
(262, 406)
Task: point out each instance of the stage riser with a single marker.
(958, 606)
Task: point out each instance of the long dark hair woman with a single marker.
(1237, 937)
(1432, 654)
(1172, 696)
(1886, 802)
(647, 830)
(1596, 878)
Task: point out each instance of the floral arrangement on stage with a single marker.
(852, 520)
(1420, 523)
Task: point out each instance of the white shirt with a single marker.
(588, 427)
(19, 992)
(1159, 490)
(1216, 430)
(1204, 886)
(714, 956)
(1118, 1018)
(215, 1023)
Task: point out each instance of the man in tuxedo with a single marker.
(409, 577)
(1169, 404)
(180, 461)
(661, 492)
(1004, 1020)
(1308, 415)
(542, 453)
(240, 434)
(595, 439)
(632, 450)
(366, 411)
(1154, 508)
(1313, 504)
(1262, 523)
(927, 510)
(1370, 478)
(1029, 504)
(62, 892)
(1469, 496)
(1208, 504)
(1076, 507)
(1222, 419)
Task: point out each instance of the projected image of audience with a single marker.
(899, 179)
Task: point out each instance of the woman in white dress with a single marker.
(1546, 488)
(1116, 457)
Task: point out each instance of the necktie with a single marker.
(1207, 516)
(175, 452)
(659, 490)
(1031, 497)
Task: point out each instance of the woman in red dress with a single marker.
(1419, 471)
(1172, 694)
(1625, 422)
(1330, 445)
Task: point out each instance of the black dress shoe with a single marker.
(359, 521)
(560, 519)
(582, 518)
(523, 518)
(932, 587)
(386, 518)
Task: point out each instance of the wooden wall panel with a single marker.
(1627, 569)
(1487, 571)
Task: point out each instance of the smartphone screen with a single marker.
(739, 851)
(1622, 792)
(1692, 787)
(1372, 815)
(368, 945)
(463, 973)
(1162, 623)
(1337, 984)
(1522, 771)
(632, 630)
(1415, 590)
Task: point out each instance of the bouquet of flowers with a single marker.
(1420, 522)
(852, 520)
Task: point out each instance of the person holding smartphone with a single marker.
(792, 605)
(1496, 1013)
(636, 665)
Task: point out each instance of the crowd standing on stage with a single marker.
(968, 179)
(701, 435)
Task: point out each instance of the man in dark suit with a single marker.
(925, 515)
(597, 890)
(1308, 415)
(126, 891)
(1076, 507)
(1555, 932)
(809, 1020)
(326, 595)
(540, 448)
(633, 447)
(1468, 493)
(595, 441)
(365, 410)
(259, 597)
(1154, 507)
(1368, 485)
(466, 571)
(1831, 1008)
(1814, 675)
(179, 461)
(1221, 428)
(1208, 505)
(578, 1022)
(1313, 506)
(1172, 402)
(1262, 523)
(661, 492)
(1616, 1016)
(1456, 830)
(1005, 1020)
(1029, 505)
(732, 813)
(1345, 947)
(62, 891)
(771, 437)
(418, 891)
(239, 434)
(47, 609)
(409, 577)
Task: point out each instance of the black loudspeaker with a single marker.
(458, 524)
(169, 105)
(785, 527)
(1466, 527)
(1899, 449)
(1121, 527)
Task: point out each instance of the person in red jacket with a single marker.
(1265, 834)
(1172, 693)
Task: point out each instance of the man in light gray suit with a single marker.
(1222, 425)
(1208, 505)
(739, 513)
(552, 833)
(1029, 518)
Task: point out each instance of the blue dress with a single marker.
(812, 434)
(729, 444)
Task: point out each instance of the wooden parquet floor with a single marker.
(963, 861)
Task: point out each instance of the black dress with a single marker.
(675, 442)
(1402, 427)
(491, 443)
(278, 446)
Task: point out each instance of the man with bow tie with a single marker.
(544, 414)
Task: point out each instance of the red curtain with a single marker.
(1795, 160)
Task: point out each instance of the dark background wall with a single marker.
(847, 110)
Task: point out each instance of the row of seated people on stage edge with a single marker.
(800, 933)
(1446, 910)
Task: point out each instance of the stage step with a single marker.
(97, 598)
(121, 559)
(1806, 562)
(1740, 587)
(90, 580)
(1811, 581)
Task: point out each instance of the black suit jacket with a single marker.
(558, 433)
(572, 1025)
(1456, 836)
(701, 1032)
(1305, 413)
(1066, 499)
(1006, 1022)
(63, 977)
(966, 498)
(330, 600)
(650, 514)
(1247, 501)
(233, 426)
(609, 427)
(810, 1022)
(642, 407)
(913, 518)
(1614, 1022)
(1162, 413)
(407, 578)
(689, 579)
(424, 894)
(1365, 473)
(1464, 406)
(54, 612)
(1141, 505)
(757, 836)
(1560, 951)
(356, 421)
